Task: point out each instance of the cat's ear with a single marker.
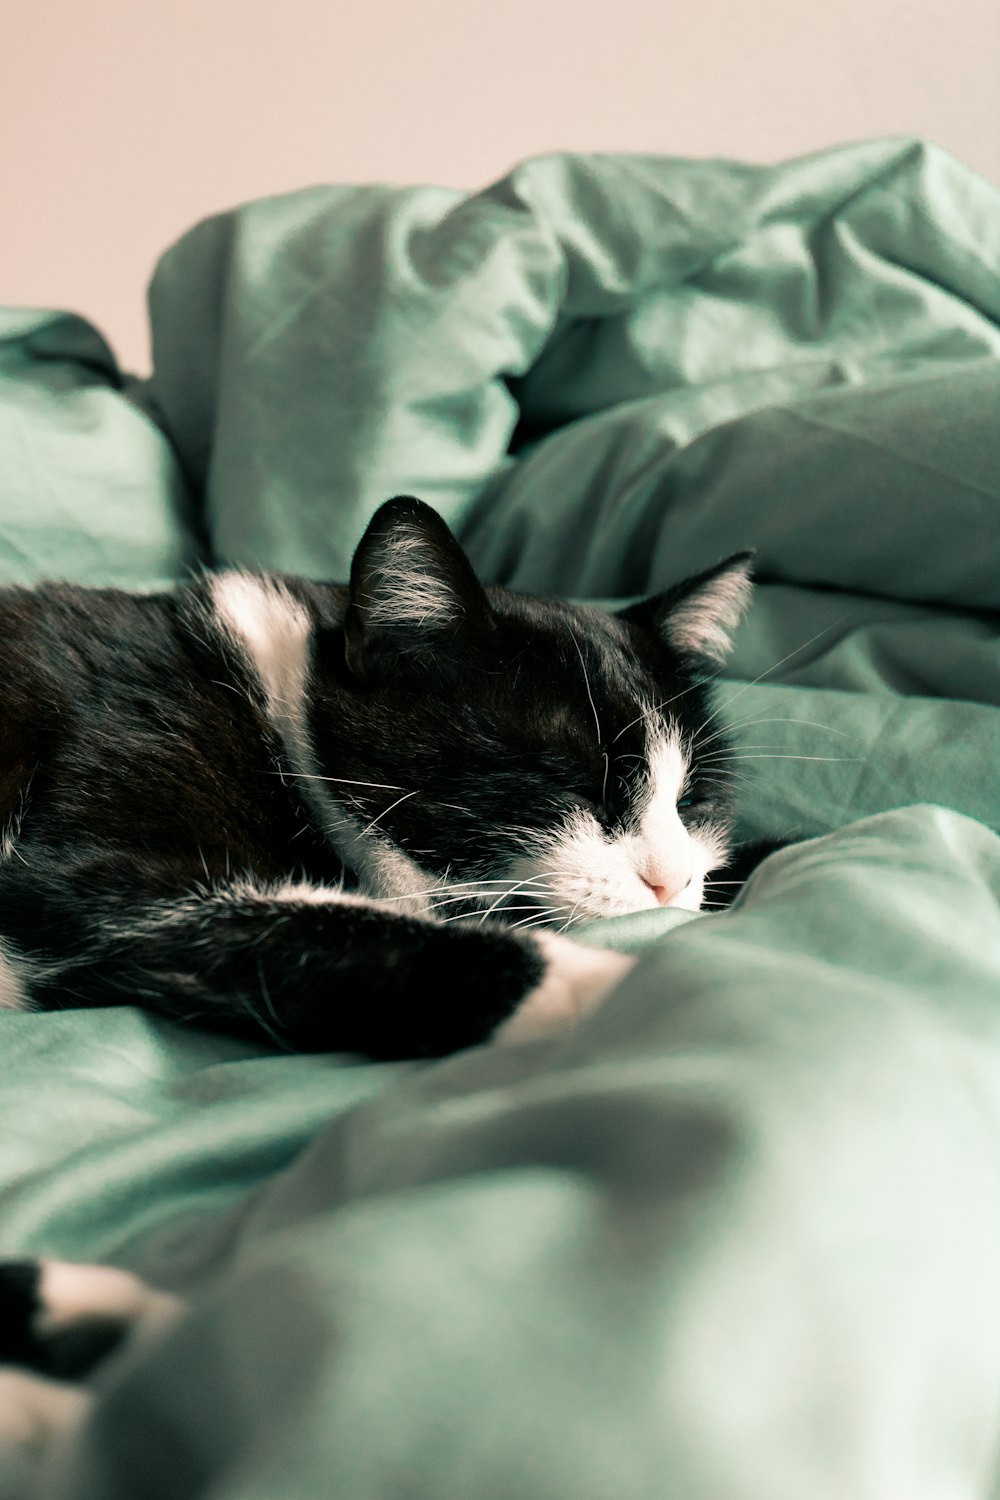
(698, 617)
(413, 591)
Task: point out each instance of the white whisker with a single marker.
(469, 896)
(379, 786)
(385, 810)
(539, 919)
(471, 887)
(464, 916)
(597, 720)
(586, 680)
(723, 706)
(839, 759)
(664, 703)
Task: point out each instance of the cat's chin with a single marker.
(577, 980)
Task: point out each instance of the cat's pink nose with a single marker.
(666, 893)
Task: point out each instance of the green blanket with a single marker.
(737, 1236)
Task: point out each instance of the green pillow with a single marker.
(91, 489)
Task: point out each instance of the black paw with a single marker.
(52, 1340)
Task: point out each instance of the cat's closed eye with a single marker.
(409, 744)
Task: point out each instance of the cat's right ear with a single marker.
(413, 592)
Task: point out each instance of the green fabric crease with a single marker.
(738, 1234)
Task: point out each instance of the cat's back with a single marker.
(121, 711)
(60, 635)
(66, 652)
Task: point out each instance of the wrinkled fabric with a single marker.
(89, 487)
(603, 370)
(609, 372)
(737, 1235)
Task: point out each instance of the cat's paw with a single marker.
(35, 1411)
(577, 979)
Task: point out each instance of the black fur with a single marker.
(154, 808)
(19, 1309)
(151, 814)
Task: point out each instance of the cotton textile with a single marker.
(737, 1235)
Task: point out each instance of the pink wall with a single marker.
(123, 121)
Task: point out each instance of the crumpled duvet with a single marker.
(737, 1236)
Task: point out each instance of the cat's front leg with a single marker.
(58, 1321)
(309, 967)
(36, 1411)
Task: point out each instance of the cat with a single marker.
(278, 807)
(354, 818)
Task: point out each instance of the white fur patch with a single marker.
(241, 892)
(13, 995)
(72, 1294)
(671, 860)
(577, 979)
(382, 870)
(291, 893)
(275, 632)
(287, 892)
(657, 861)
(36, 1412)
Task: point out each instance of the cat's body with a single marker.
(270, 805)
(346, 817)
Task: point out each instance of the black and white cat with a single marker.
(314, 811)
(345, 817)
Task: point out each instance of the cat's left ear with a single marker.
(413, 591)
(698, 617)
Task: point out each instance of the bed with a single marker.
(738, 1234)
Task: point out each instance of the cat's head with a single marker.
(528, 754)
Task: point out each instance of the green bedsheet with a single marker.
(737, 1237)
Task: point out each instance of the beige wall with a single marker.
(123, 121)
